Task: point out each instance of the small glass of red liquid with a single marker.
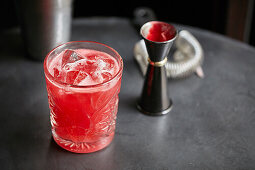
(83, 81)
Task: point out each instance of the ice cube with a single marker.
(86, 81)
(106, 76)
(100, 64)
(101, 76)
(97, 77)
(71, 76)
(74, 72)
(91, 56)
(56, 72)
(80, 77)
(109, 63)
(90, 65)
(70, 56)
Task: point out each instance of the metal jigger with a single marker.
(155, 100)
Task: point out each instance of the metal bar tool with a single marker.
(155, 100)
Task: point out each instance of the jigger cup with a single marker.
(155, 100)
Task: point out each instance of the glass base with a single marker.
(83, 147)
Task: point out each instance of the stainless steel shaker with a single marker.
(45, 24)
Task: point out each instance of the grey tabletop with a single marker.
(211, 126)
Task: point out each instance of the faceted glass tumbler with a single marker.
(83, 117)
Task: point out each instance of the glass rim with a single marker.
(48, 75)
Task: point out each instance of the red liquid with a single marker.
(83, 118)
(160, 32)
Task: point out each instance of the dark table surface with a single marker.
(211, 126)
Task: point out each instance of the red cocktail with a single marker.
(160, 31)
(83, 81)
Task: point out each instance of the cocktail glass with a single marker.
(82, 116)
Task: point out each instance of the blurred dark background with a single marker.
(233, 18)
